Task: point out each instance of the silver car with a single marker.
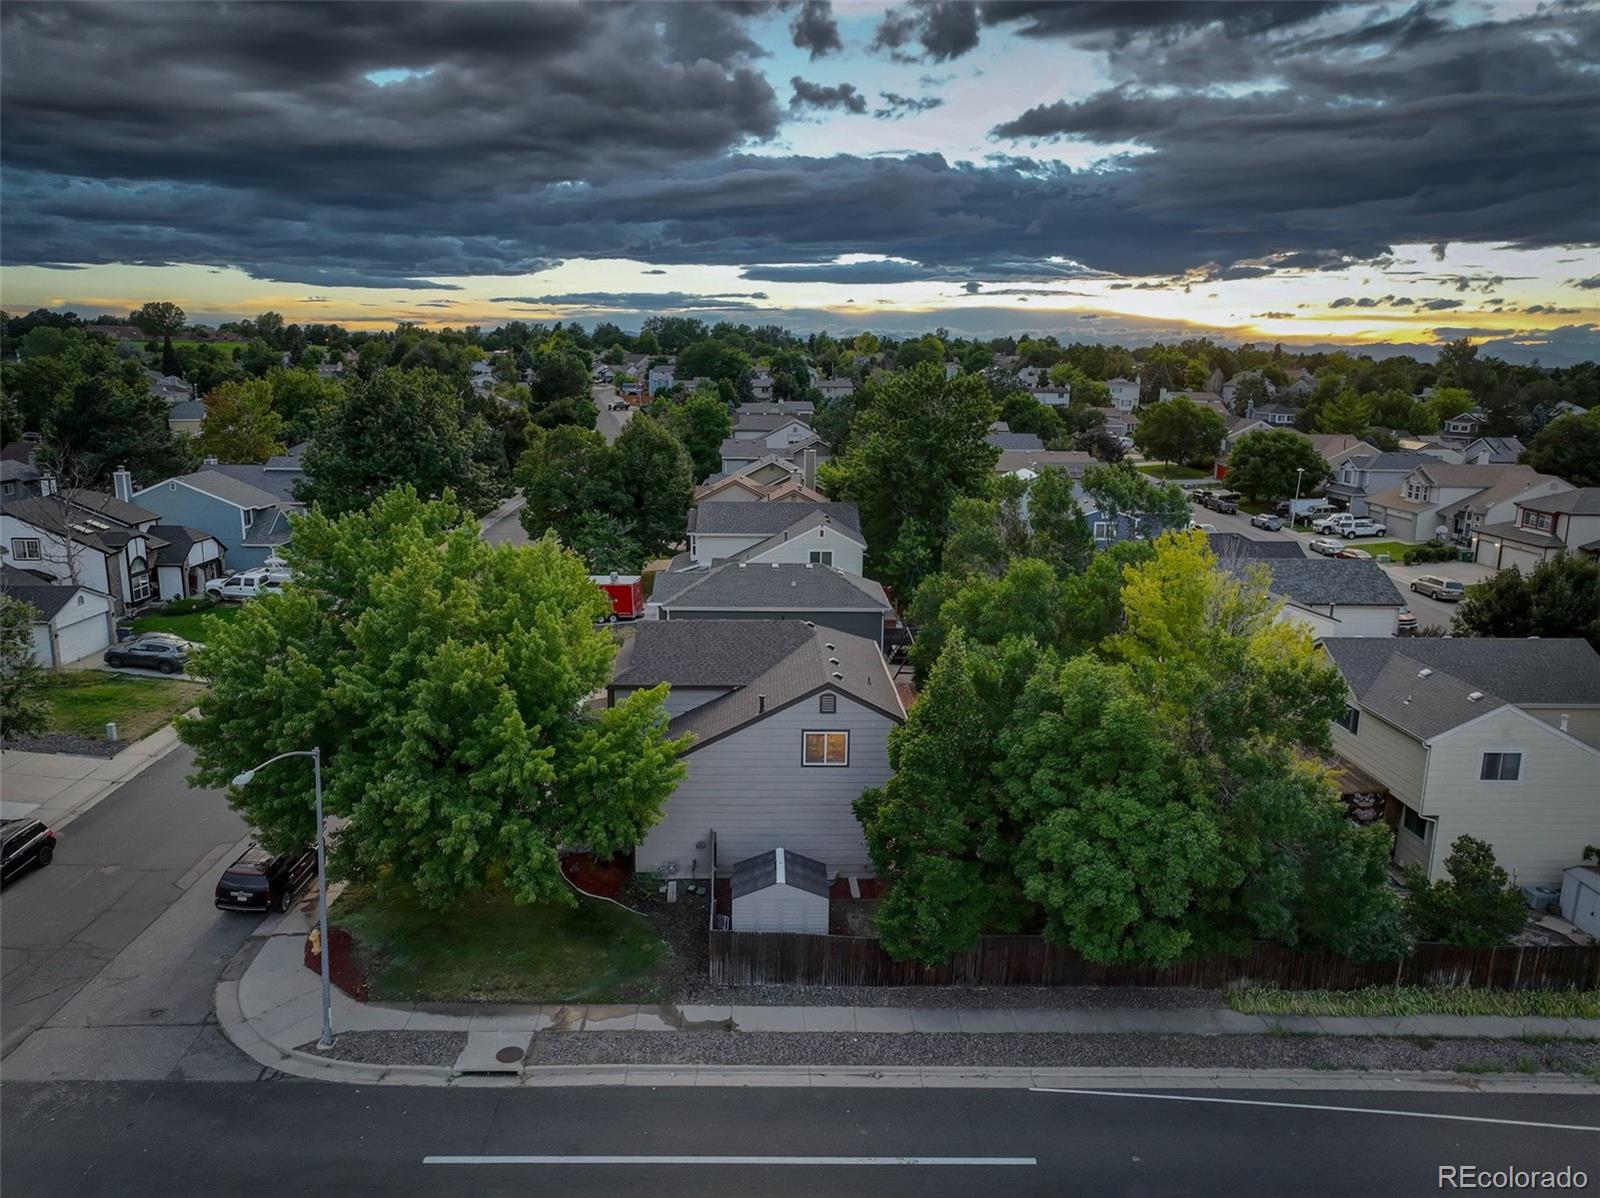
(1327, 546)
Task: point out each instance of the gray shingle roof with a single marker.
(1384, 673)
(1585, 501)
(46, 598)
(768, 586)
(765, 519)
(177, 540)
(1228, 545)
(1323, 580)
(759, 872)
(1010, 440)
(705, 652)
(110, 506)
(1509, 531)
(763, 422)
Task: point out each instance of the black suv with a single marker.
(263, 881)
(154, 650)
(25, 842)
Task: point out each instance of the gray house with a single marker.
(247, 508)
(741, 590)
(1356, 478)
(789, 724)
(1331, 596)
(826, 534)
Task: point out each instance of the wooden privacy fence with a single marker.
(749, 958)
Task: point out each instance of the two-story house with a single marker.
(837, 388)
(1329, 596)
(1440, 499)
(827, 534)
(1230, 389)
(246, 507)
(1052, 395)
(743, 589)
(21, 475)
(1276, 415)
(775, 432)
(1124, 393)
(49, 535)
(737, 454)
(1465, 426)
(1540, 528)
(1371, 474)
(789, 724)
(1496, 738)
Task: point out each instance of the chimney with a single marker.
(122, 484)
(811, 467)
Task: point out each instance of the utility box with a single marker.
(780, 891)
(1580, 898)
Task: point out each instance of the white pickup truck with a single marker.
(247, 584)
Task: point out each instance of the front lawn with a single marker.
(1395, 549)
(83, 702)
(1172, 473)
(191, 626)
(1417, 1000)
(491, 949)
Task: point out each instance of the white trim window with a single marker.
(139, 579)
(26, 549)
(825, 748)
(1501, 767)
(821, 557)
(1104, 530)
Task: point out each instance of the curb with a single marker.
(110, 784)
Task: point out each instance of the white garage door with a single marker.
(1517, 556)
(87, 635)
(1400, 526)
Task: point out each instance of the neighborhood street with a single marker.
(136, 1139)
(609, 423)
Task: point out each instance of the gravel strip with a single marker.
(1151, 1051)
(393, 1048)
(1070, 998)
(61, 742)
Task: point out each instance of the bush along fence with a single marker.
(753, 958)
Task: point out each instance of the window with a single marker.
(1535, 520)
(139, 579)
(1501, 767)
(8, 488)
(1103, 530)
(26, 549)
(828, 704)
(826, 748)
(1350, 721)
(822, 557)
(1414, 823)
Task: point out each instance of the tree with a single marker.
(241, 424)
(104, 419)
(1264, 464)
(1475, 907)
(1179, 430)
(565, 475)
(23, 711)
(1560, 598)
(1250, 390)
(1120, 490)
(1348, 412)
(713, 360)
(1569, 448)
(700, 421)
(302, 397)
(559, 374)
(653, 481)
(161, 319)
(912, 451)
(444, 681)
(398, 427)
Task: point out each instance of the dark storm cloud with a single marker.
(944, 29)
(1592, 283)
(814, 29)
(637, 301)
(868, 274)
(896, 106)
(1439, 305)
(1551, 310)
(816, 95)
(1120, 21)
(1272, 316)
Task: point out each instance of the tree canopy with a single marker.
(1264, 464)
(241, 423)
(1560, 597)
(1569, 448)
(23, 712)
(1179, 430)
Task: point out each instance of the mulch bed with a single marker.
(61, 742)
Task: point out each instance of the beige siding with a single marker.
(1582, 722)
(1539, 824)
(1389, 755)
(751, 788)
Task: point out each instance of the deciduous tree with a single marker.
(1179, 430)
(1569, 448)
(241, 424)
(23, 712)
(1264, 464)
(1561, 597)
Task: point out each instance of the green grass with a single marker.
(1417, 1000)
(1170, 472)
(1395, 549)
(491, 949)
(191, 626)
(83, 702)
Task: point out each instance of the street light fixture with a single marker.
(243, 780)
(1294, 509)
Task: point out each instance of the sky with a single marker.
(1311, 173)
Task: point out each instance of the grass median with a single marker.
(1417, 1000)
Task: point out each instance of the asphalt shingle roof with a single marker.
(46, 598)
(1228, 545)
(773, 586)
(1585, 501)
(742, 518)
(705, 652)
(759, 872)
(1010, 440)
(1328, 580)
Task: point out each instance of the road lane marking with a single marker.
(1313, 1106)
(732, 1160)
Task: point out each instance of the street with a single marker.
(609, 423)
(155, 1139)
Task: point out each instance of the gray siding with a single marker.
(864, 624)
(751, 788)
(679, 698)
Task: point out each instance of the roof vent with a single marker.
(761, 704)
(741, 565)
(774, 565)
(1474, 696)
(810, 565)
(829, 648)
(811, 623)
(838, 675)
(833, 661)
(1424, 672)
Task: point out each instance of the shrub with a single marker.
(1432, 551)
(1477, 907)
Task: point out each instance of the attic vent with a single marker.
(1474, 696)
(811, 623)
(828, 704)
(838, 675)
(833, 661)
(829, 648)
(741, 565)
(1424, 672)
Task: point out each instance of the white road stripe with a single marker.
(729, 1160)
(1313, 1106)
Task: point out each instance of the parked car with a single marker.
(1200, 495)
(1405, 623)
(618, 405)
(1362, 527)
(1304, 509)
(1270, 523)
(1334, 523)
(1435, 586)
(1227, 503)
(24, 843)
(152, 651)
(1327, 546)
(262, 881)
(247, 584)
(1196, 526)
(1350, 551)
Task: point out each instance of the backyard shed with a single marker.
(780, 891)
(1580, 898)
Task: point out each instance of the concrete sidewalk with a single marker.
(59, 787)
(275, 1007)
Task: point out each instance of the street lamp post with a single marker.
(1294, 510)
(244, 779)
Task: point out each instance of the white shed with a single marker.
(1580, 898)
(780, 891)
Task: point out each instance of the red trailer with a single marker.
(626, 593)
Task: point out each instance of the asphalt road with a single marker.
(118, 871)
(608, 422)
(160, 1139)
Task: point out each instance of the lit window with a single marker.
(1501, 767)
(827, 748)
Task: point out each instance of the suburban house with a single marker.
(246, 508)
(187, 416)
(20, 473)
(1330, 596)
(1457, 499)
(746, 590)
(1492, 451)
(1206, 399)
(1497, 738)
(789, 725)
(1369, 474)
(1026, 463)
(1230, 388)
(836, 388)
(795, 531)
(1465, 426)
(1054, 396)
(51, 536)
(1117, 422)
(70, 621)
(779, 407)
(1542, 528)
(1238, 426)
(660, 378)
(1001, 437)
(1229, 545)
(1338, 448)
(185, 558)
(1124, 393)
(1299, 387)
(773, 432)
(746, 486)
(803, 453)
(1276, 415)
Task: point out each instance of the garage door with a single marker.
(1401, 526)
(80, 639)
(1519, 557)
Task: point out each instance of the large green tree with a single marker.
(1120, 490)
(23, 711)
(1561, 597)
(1179, 430)
(654, 482)
(399, 427)
(1569, 448)
(241, 424)
(104, 419)
(444, 681)
(700, 421)
(1264, 464)
(912, 451)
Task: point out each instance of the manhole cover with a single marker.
(510, 1054)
